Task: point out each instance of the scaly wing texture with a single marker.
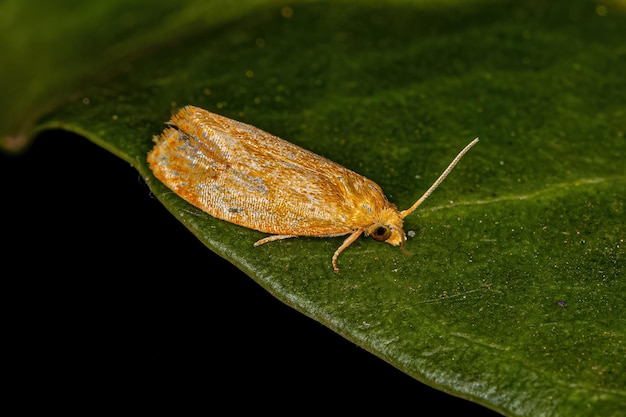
(246, 176)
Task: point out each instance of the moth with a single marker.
(243, 175)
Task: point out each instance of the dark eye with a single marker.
(381, 233)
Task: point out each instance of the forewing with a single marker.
(246, 176)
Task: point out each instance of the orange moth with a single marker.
(241, 174)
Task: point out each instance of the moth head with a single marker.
(387, 227)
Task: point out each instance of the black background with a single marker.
(112, 301)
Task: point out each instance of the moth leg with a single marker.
(272, 238)
(349, 240)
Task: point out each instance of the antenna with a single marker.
(442, 177)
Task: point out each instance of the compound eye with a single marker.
(381, 233)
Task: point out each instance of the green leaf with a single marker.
(513, 296)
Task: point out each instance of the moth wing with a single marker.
(249, 177)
